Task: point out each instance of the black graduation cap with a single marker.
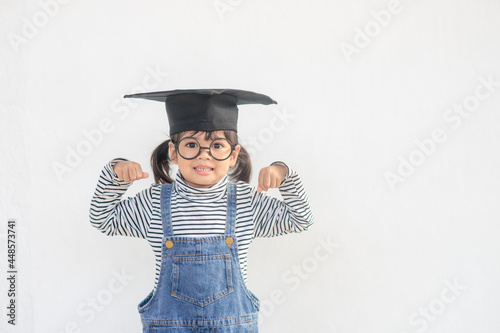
(204, 109)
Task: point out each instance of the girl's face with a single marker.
(203, 170)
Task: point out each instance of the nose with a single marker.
(204, 151)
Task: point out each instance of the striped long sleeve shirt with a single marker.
(199, 211)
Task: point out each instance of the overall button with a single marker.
(169, 244)
(229, 241)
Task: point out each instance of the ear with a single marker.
(173, 153)
(234, 156)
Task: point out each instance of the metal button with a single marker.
(169, 244)
(229, 241)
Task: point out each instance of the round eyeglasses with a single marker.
(189, 148)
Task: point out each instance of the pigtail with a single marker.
(242, 170)
(160, 164)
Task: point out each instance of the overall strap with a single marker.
(231, 208)
(166, 213)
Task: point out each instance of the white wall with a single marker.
(355, 104)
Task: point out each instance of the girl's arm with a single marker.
(273, 217)
(113, 216)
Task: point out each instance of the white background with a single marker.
(351, 119)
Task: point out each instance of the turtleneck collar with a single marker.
(200, 194)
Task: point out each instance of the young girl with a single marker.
(201, 223)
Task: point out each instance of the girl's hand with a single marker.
(271, 177)
(129, 171)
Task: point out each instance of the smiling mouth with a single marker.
(203, 169)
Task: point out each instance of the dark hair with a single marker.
(160, 159)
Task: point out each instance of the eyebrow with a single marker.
(201, 135)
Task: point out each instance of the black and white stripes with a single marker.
(198, 211)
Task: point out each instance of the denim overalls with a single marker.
(200, 287)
